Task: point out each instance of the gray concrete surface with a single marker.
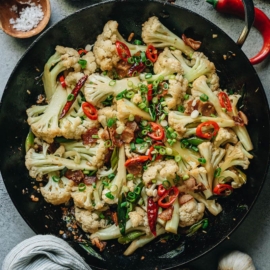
(252, 237)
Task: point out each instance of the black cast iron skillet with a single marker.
(82, 28)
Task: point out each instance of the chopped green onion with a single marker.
(169, 151)
(108, 143)
(155, 100)
(113, 188)
(121, 95)
(105, 183)
(144, 132)
(132, 146)
(142, 105)
(109, 195)
(139, 140)
(181, 108)
(124, 204)
(83, 63)
(162, 117)
(70, 97)
(81, 187)
(143, 88)
(177, 158)
(86, 171)
(131, 60)
(101, 216)
(112, 83)
(104, 73)
(130, 84)
(130, 94)
(131, 118)
(144, 123)
(148, 76)
(111, 122)
(185, 177)
(137, 42)
(204, 97)
(217, 172)
(166, 184)
(148, 63)
(130, 176)
(170, 129)
(165, 86)
(162, 151)
(111, 176)
(56, 179)
(186, 96)
(202, 160)
(95, 136)
(143, 57)
(131, 197)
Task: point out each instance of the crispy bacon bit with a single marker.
(132, 125)
(122, 68)
(130, 37)
(206, 108)
(105, 135)
(135, 168)
(89, 180)
(194, 44)
(40, 99)
(127, 135)
(75, 176)
(185, 198)
(241, 119)
(87, 137)
(114, 218)
(116, 138)
(99, 244)
(166, 214)
(53, 147)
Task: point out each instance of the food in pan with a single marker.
(137, 135)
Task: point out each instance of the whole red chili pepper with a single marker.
(74, 95)
(152, 213)
(261, 22)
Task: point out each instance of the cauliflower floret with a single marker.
(89, 221)
(177, 90)
(131, 186)
(106, 113)
(137, 98)
(91, 64)
(190, 213)
(109, 199)
(225, 135)
(137, 217)
(151, 191)
(160, 171)
(83, 198)
(128, 152)
(57, 190)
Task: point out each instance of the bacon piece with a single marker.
(99, 244)
(127, 135)
(241, 119)
(206, 108)
(122, 68)
(194, 44)
(105, 135)
(75, 176)
(87, 136)
(185, 198)
(135, 168)
(132, 125)
(89, 180)
(166, 214)
(116, 138)
(190, 183)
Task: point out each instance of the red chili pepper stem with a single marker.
(75, 93)
(261, 22)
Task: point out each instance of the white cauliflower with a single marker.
(108, 198)
(151, 191)
(176, 92)
(83, 198)
(57, 190)
(91, 64)
(225, 135)
(190, 213)
(160, 171)
(138, 217)
(89, 221)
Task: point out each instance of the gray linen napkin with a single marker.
(44, 252)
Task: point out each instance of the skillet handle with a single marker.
(249, 20)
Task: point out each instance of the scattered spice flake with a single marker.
(47, 216)
(28, 92)
(224, 56)
(142, 258)
(130, 37)
(257, 90)
(37, 69)
(234, 219)
(163, 241)
(61, 232)
(46, 226)
(214, 36)
(228, 237)
(34, 199)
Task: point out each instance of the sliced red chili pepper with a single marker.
(90, 110)
(152, 213)
(161, 190)
(225, 101)
(122, 50)
(136, 159)
(150, 92)
(82, 52)
(223, 189)
(158, 132)
(152, 148)
(168, 197)
(151, 53)
(208, 134)
(74, 94)
(62, 81)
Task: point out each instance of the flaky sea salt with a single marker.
(28, 19)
